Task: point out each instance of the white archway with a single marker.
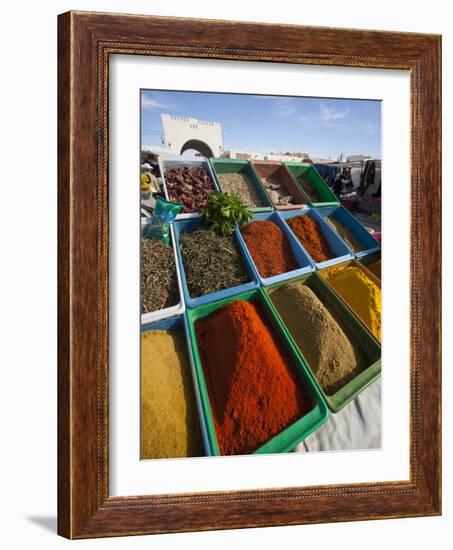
(183, 133)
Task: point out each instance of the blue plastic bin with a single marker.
(350, 222)
(189, 226)
(302, 258)
(178, 323)
(338, 248)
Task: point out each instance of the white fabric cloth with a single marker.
(356, 426)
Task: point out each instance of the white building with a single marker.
(358, 158)
(183, 133)
(249, 155)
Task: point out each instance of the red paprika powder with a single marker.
(309, 233)
(253, 391)
(269, 248)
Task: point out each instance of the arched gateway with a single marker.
(183, 133)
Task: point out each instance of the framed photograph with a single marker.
(249, 275)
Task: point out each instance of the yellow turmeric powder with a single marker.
(360, 292)
(169, 416)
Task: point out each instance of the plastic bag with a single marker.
(164, 214)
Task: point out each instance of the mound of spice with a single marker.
(169, 417)
(253, 390)
(189, 185)
(241, 185)
(158, 276)
(349, 238)
(361, 294)
(309, 233)
(269, 248)
(211, 262)
(309, 189)
(332, 357)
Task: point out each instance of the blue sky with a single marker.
(321, 127)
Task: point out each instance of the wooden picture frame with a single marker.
(85, 41)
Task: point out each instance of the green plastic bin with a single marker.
(239, 166)
(306, 171)
(353, 328)
(291, 436)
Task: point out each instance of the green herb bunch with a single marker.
(223, 210)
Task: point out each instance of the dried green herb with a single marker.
(211, 262)
(158, 276)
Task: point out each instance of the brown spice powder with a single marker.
(332, 357)
(269, 248)
(309, 233)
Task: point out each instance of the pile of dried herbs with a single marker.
(158, 276)
(241, 185)
(190, 185)
(211, 262)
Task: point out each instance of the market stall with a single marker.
(276, 330)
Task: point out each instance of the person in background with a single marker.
(338, 184)
(148, 180)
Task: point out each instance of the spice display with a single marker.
(309, 189)
(241, 185)
(347, 235)
(169, 416)
(361, 294)
(190, 185)
(158, 276)
(275, 189)
(309, 233)
(269, 248)
(211, 262)
(253, 391)
(329, 353)
(375, 268)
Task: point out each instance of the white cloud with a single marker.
(150, 102)
(328, 114)
(285, 106)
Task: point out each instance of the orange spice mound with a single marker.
(253, 390)
(269, 247)
(309, 233)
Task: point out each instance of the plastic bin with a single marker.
(180, 307)
(355, 331)
(179, 323)
(368, 273)
(276, 171)
(342, 215)
(308, 172)
(337, 246)
(238, 166)
(192, 225)
(296, 432)
(167, 163)
(302, 259)
(369, 259)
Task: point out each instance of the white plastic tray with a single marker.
(177, 309)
